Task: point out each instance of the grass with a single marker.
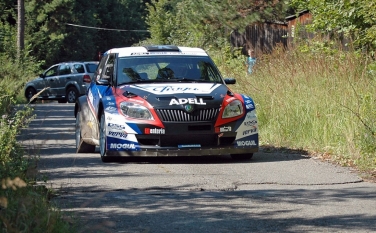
(24, 207)
(320, 101)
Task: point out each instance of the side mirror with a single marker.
(109, 70)
(230, 80)
(42, 75)
(107, 75)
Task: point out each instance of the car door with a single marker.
(58, 82)
(48, 79)
(97, 90)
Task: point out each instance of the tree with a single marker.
(21, 27)
(236, 14)
(202, 22)
(61, 30)
(355, 19)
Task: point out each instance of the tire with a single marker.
(242, 156)
(72, 95)
(29, 93)
(103, 140)
(81, 146)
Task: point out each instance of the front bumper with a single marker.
(173, 151)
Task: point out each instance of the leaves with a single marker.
(353, 18)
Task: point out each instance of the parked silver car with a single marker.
(64, 82)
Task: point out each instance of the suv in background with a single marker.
(64, 82)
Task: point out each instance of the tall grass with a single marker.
(24, 207)
(320, 100)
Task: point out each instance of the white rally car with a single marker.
(164, 101)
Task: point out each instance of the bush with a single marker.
(24, 207)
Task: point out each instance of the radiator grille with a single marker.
(174, 115)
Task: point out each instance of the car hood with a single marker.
(37, 79)
(161, 95)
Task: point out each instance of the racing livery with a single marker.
(163, 101)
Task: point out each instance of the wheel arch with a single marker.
(69, 85)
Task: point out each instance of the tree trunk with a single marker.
(20, 26)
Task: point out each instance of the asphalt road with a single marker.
(273, 192)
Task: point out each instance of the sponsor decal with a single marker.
(248, 101)
(181, 101)
(249, 131)
(246, 143)
(116, 126)
(154, 131)
(111, 103)
(225, 129)
(250, 123)
(249, 106)
(174, 89)
(111, 109)
(178, 88)
(248, 126)
(117, 134)
(122, 146)
(108, 98)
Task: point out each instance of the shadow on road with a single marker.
(179, 211)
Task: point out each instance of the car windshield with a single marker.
(174, 68)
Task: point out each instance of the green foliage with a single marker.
(160, 20)
(235, 15)
(23, 207)
(352, 18)
(62, 30)
(203, 23)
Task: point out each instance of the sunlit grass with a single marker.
(318, 101)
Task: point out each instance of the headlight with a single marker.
(135, 111)
(233, 109)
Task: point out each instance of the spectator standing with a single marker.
(251, 61)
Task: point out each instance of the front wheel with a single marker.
(81, 146)
(72, 95)
(30, 92)
(242, 156)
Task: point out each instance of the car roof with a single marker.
(157, 50)
(85, 62)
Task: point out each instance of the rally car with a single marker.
(163, 101)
